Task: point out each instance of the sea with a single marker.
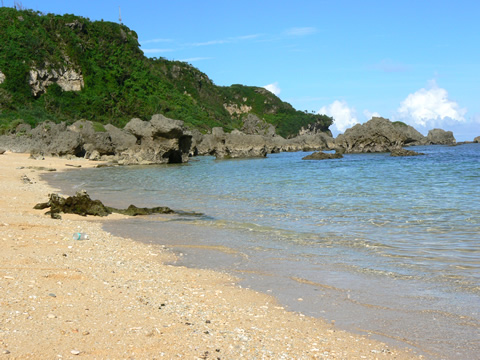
(379, 245)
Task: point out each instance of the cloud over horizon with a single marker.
(430, 107)
(344, 116)
(273, 88)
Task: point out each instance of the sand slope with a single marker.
(113, 298)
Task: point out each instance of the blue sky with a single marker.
(412, 61)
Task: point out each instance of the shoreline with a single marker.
(112, 297)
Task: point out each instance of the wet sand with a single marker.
(111, 297)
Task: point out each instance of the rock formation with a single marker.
(440, 137)
(158, 141)
(376, 135)
(403, 152)
(2, 77)
(320, 155)
(413, 137)
(253, 125)
(477, 140)
(82, 204)
(67, 79)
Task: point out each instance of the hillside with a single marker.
(65, 68)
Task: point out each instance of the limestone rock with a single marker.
(314, 129)
(239, 145)
(253, 125)
(101, 142)
(477, 140)
(440, 137)
(121, 140)
(158, 141)
(413, 137)
(403, 152)
(67, 79)
(376, 135)
(322, 156)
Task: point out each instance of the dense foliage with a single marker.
(119, 81)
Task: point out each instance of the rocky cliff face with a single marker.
(158, 141)
(67, 79)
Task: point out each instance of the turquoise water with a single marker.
(379, 244)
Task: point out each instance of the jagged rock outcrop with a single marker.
(376, 135)
(314, 129)
(82, 204)
(253, 125)
(320, 155)
(67, 79)
(93, 141)
(404, 152)
(232, 145)
(413, 137)
(440, 137)
(158, 141)
(477, 140)
(240, 145)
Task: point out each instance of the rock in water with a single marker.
(81, 204)
(440, 137)
(322, 156)
(403, 152)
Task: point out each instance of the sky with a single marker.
(411, 61)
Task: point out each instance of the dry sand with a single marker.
(114, 298)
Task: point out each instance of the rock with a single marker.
(376, 135)
(158, 141)
(132, 210)
(67, 79)
(403, 152)
(2, 77)
(253, 125)
(81, 204)
(322, 156)
(2, 151)
(440, 137)
(314, 129)
(236, 145)
(477, 140)
(413, 137)
(99, 141)
(240, 145)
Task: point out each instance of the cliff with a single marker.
(67, 68)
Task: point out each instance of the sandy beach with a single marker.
(114, 298)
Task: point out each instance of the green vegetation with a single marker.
(119, 81)
(399, 123)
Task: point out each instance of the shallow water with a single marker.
(379, 244)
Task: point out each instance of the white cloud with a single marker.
(368, 114)
(301, 31)
(430, 107)
(273, 88)
(156, 51)
(155, 41)
(194, 59)
(344, 116)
